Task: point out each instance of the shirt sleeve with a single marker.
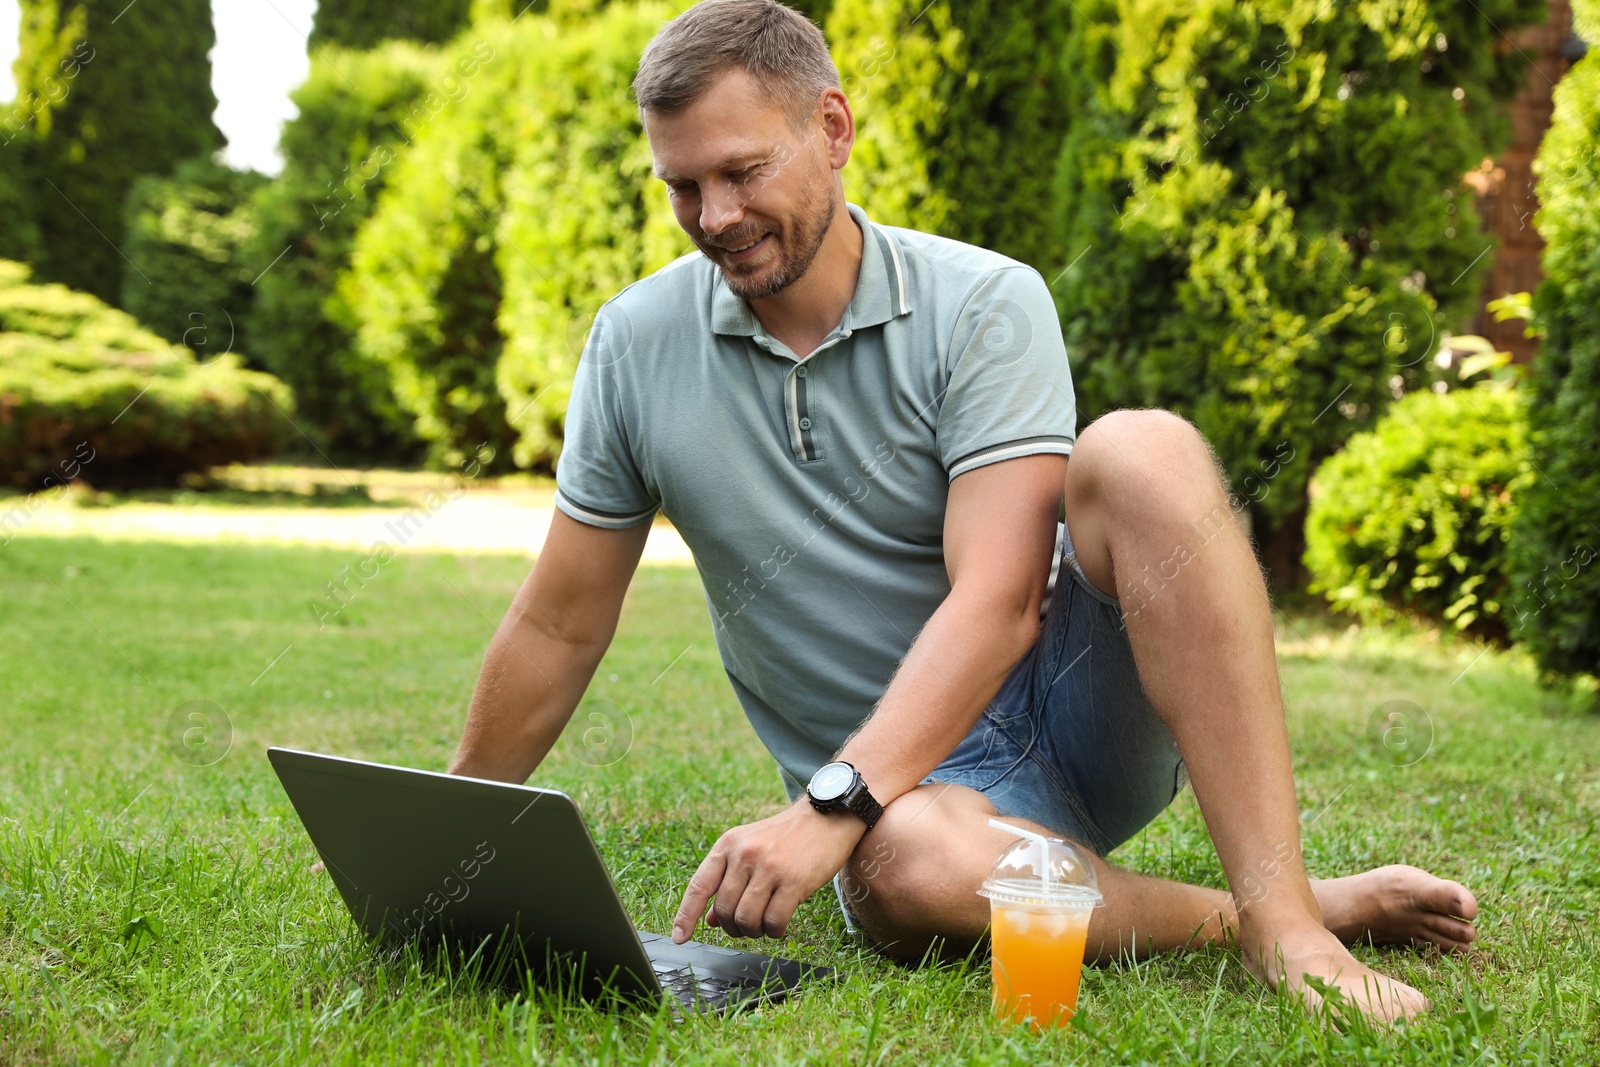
(1010, 391)
(597, 477)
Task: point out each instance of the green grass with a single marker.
(155, 910)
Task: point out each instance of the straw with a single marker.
(1039, 839)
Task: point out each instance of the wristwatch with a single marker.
(837, 786)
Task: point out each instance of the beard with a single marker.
(797, 247)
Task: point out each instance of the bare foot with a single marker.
(1397, 905)
(1312, 956)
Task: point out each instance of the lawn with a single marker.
(157, 903)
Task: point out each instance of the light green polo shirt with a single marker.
(812, 493)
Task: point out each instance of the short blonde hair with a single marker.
(779, 47)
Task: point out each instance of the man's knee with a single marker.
(907, 881)
(880, 881)
(1144, 453)
(1143, 438)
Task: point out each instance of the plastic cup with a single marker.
(1041, 894)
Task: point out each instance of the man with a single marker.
(862, 434)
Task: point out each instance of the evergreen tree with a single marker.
(113, 91)
(1265, 208)
(358, 113)
(1556, 538)
(192, 236)
(958, 118)
(476, 278)
(19, 233)
(365, 23)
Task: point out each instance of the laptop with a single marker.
(439, 858)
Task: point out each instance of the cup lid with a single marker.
(1046, 871)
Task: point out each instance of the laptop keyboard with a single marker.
(688, 987)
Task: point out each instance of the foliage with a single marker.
(84, 385)
(959, 117)
(1557, 534)
(114, 91)
(367, 23)
(815, 10)
(584, 219)
(1415, 514)
(504, 228)
(19, 233)
(1264, 206)
(358, 113)
(188, 244)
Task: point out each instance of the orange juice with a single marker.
(1038, 959)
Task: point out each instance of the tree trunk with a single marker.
(1280, 547)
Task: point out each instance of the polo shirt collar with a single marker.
(881, 290)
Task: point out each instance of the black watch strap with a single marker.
(864, 804)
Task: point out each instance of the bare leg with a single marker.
(915, 877)
(1151, 520)
(914, 880)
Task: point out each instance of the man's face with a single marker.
(753, 195)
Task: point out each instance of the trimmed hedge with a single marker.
(959, 117)
(84, 384)
(358, 112)
(504, 228)
(189, 273)
(1557, 534)
(1414, 516)
(1267, 203)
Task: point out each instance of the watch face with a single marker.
(831, 781)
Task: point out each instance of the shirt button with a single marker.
(800, 372)
(805, 424)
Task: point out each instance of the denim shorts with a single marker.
(1070, 741)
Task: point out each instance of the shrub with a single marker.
(1557, 533)
(1415, 514)
(84, 385)
(187, 241)
(114, 91)
(505, 227)
(959, 116)
(358, 112)
(1267, 204)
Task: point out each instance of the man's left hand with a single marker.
(760, 872)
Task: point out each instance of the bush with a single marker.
(959, 117)
(1414, 516)
(84, 385)
(115, 91)
(189, 274)
(358, 112)
(1557, 534)
(1267, 202)
(504, 228)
